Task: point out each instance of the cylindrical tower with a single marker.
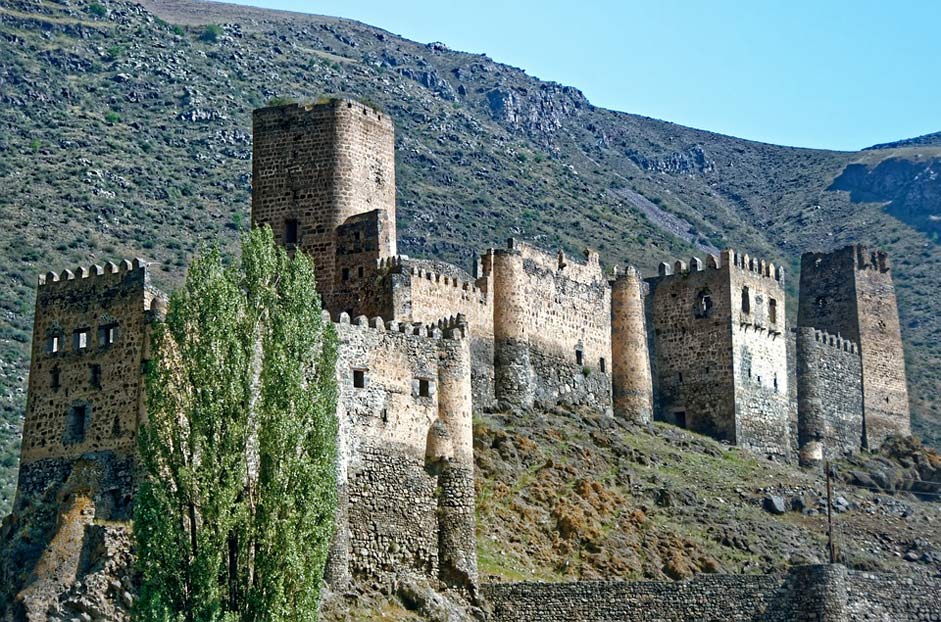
(811, 420)
(631, 382)
(457, 541)
(514, 385)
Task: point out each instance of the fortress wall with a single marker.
(849, 292)
(759, 346)
(87, 397)
(404, 408)
(885, 390)
(317, 166)
(425, 290)
(632, 388)
(830, 397)
(825, 593)
(559, 311)
(693, 352)
(877, 597)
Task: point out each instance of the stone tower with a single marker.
(720, 350)
(630, 361)
(849, 293)
(86, 393)
(321, 167)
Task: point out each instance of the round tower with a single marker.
(811, 420)
(631, 382)
(512, 369)
(457, 541)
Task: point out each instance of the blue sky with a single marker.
(830, 74)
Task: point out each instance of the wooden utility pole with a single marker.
(831, 543)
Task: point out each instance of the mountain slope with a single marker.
(125, 131)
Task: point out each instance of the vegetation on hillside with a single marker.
(127, 134)
(235, 513)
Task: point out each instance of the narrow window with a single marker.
(107, 334)
(773, 310)
(680, 417)
(346, 274)
(746, 301)
(116, 427)
(579, 357)
(290, 231)
(359, 378)
(703, 306)
(55, 378)
(775, 383)
(54, 344)
(81, 339)
(679, 377)
(424, 388)
(78, 418)
(602, 365)
(359, 272)
(96, 376)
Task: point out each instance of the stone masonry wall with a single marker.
(820, 593)
(632, 388)
(693, 353)
(405, 417)
(830, 396)
(557, 313)
(759, 346)
(316, 166)
(89, 342)
(849, 292)
(885, 389)
(720, 351)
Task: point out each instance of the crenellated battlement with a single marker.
(871, 260)
(823, 338)
(452, 327)
(331, 105)
(728, 258)
(69, 278)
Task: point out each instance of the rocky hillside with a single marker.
(125, 130)
(565, 496)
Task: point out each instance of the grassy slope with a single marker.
(123, 135)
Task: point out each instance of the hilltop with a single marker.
(126, 131)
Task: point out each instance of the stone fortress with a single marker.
(423, 344)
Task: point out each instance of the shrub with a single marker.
(97, 10)
(281, 101)
(112, 117)
(211, 33)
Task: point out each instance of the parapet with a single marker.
(335, 105)
(586, 270)
(871, 260)
(451, 327)
(824, 339)
(83, 275)
(440, 273)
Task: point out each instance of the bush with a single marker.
(112, 117)
(211, 33)
(97, 10)
(281, 101)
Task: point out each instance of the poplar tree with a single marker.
(235, 508)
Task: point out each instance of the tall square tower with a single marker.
(720, 351)
(849, 292)
(315, 168)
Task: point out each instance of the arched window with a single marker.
(703, 305)
(773, 310)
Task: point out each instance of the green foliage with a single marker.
(97, 10)
(281, 101)
(211, 33)
(235, 513)
(111, 117)
(115, 52)
(177, 30)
